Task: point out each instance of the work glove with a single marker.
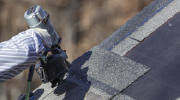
(46, 38)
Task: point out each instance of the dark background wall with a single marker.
(82, 24)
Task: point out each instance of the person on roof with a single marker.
(22, 51)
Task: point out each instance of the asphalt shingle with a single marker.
(133, 24)
(160, 52)
(99, 73)
(103, 74)
(142, 32)
(122, 97)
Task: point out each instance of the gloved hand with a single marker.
(46, 38)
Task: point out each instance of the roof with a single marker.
(138, 61)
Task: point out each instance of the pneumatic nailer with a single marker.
(51, 68)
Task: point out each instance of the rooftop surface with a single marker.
(139, 61)
(160, 52)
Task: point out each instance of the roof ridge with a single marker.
(133, 24)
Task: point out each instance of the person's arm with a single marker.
(22, 51)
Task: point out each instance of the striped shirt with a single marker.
(19, 53)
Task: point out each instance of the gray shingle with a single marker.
(99, 73)
(122, 97)
(102, 74)
(138, 20)
(160, 52)
(145, 30)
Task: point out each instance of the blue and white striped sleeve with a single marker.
(19, 53)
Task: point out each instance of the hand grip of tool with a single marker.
(30, 75)
(31, 71)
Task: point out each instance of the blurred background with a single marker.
(82, 24)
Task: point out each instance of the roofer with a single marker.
(21, 51)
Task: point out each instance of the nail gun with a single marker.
(51, 68)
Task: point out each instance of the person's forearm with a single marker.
(19, 53)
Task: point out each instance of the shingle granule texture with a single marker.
(102, 74)
(133, 24)
(96, 74)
